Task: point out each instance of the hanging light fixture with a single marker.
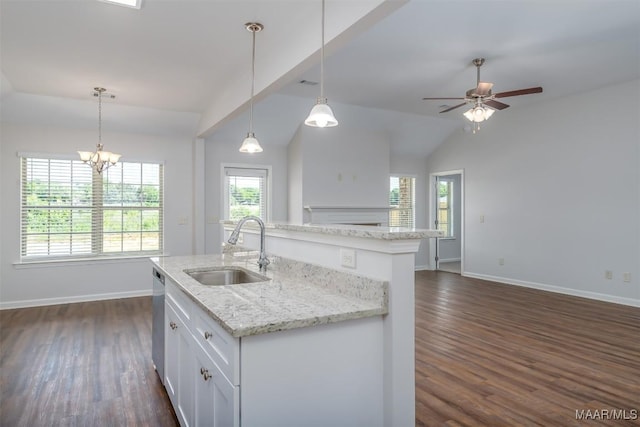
(100, 159)
(250, 143)
(321, 114)
(479, 113)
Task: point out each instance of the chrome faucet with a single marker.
(233, 239)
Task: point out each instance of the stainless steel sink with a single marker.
(225, 276)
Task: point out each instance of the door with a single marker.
(217, 401)
(447, 201)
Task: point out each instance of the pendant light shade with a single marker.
(321, 114)
(250, 144)
(99, 160)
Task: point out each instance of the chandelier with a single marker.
(99, 160)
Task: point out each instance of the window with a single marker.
(402, 201)
(68, 211)
(445, 209)
(245, 192)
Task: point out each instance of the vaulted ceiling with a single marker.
(382, 57)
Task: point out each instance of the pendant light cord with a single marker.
(322, 56)
(253, 80)
(99, 119)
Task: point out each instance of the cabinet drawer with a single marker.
(178, 300)
(219, 345)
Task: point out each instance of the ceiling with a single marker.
(186, 56)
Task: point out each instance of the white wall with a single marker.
(559, 187)
(80, 281)
(340, 166)
(218, 153)
(294, 163)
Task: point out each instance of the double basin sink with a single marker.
(221, 276)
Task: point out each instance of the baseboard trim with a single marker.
(450, 259)
(557, 289)
(72, 299)
(422, 267)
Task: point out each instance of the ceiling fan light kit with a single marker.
(483, 99)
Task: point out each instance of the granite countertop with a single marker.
(348, 230)
(297, 294)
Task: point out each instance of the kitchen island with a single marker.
(326, 339)
(301, 346)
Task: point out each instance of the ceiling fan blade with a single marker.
(484, 88)
(518, 92)
(429, 99)
(454, 107)
(496, 104)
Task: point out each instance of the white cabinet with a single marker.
(216, 399)
(179, 365)
(326, 375)
(198, 354)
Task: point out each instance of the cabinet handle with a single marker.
(205, 373)
(207, 335)
(173, 325)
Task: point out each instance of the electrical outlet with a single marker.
(626, 276)
(608, 274)
(500, 261)
(348, 258)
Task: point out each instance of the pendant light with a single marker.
(99, 160)
(321, 114)
(250, 143)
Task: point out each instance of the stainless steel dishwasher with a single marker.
(157, 327)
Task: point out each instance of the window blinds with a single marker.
(67, 210)
(245, 192)
(402, 202)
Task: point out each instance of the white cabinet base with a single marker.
(328, 375)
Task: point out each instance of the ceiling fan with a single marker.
(481, 97)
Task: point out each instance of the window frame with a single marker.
(224, 209)
(96, 208)
(395, 208)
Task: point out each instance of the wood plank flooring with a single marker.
(489, 354)
(85, 364)
(486, 355)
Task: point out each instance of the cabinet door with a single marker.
(172, 354)
(180, 363)
(217, 401)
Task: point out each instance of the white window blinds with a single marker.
(402, 201)
(245, 192)
(68, 211)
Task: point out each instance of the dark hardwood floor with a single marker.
(486, 355)
(84, 364)
(489, 354)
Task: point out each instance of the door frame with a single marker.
(433, 265)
